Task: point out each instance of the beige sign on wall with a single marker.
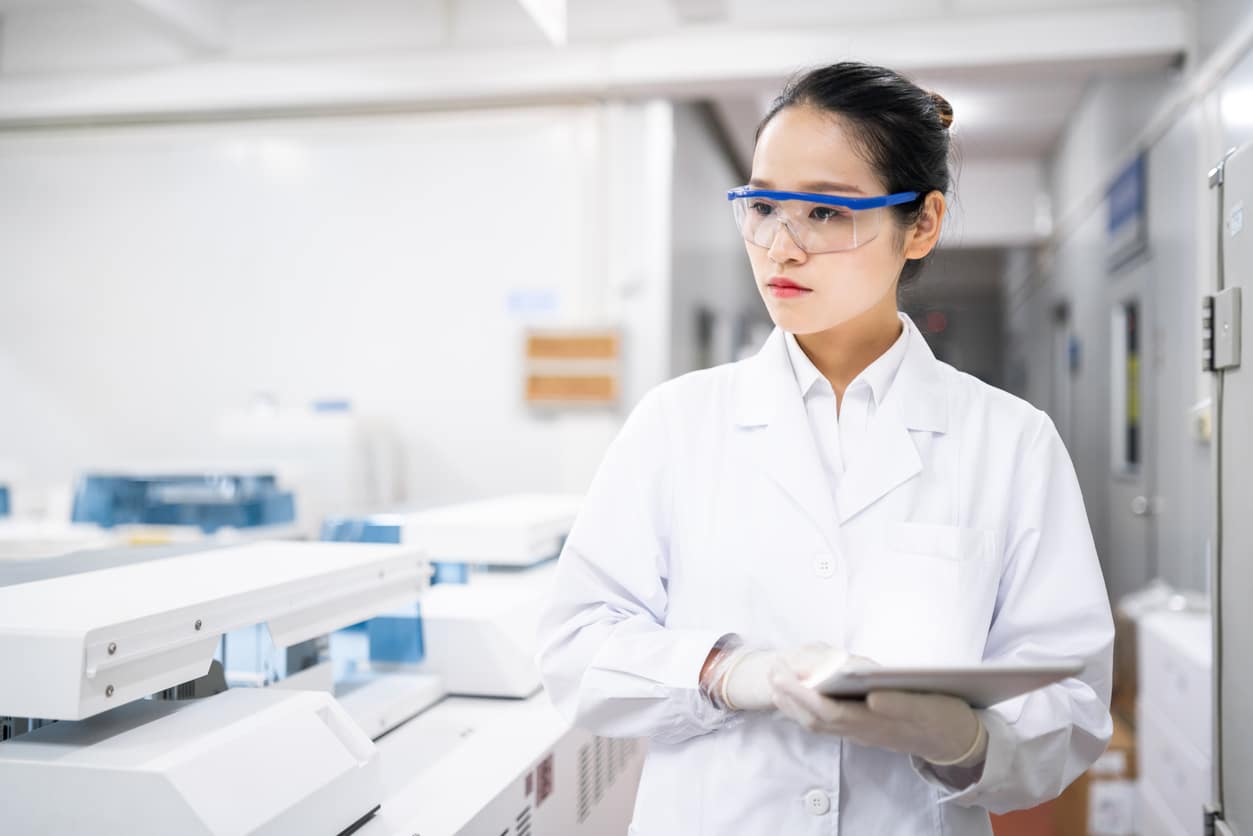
(573, 368)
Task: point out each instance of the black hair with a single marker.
(902, 130)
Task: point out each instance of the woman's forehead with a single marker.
(805, 149)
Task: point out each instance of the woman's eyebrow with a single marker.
(816, 186)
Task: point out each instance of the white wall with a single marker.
(998, 204)
(151, 277)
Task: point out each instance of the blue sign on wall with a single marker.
(1127, 220)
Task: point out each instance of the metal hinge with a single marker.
(1216, 174)
(1220, 330)
(1214, 824)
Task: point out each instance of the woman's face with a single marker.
(804, 149)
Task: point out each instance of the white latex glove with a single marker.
(741, 678)
(942, 730)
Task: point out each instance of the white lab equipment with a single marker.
(496, 765)
(483, 767)
(516, 530)
(477, 636)
(494, 616)
(288, 762)
(256, 761)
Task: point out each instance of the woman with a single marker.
(842, 492)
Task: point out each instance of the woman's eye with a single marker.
(760, 207)
(828, 213)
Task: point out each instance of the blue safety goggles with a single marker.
(818, 223)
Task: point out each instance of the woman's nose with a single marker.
(783, 248)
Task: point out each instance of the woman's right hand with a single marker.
(739, 678)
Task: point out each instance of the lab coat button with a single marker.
(817, 802)
(824, 566)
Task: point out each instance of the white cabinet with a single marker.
(1153, 816)
(1173, 724)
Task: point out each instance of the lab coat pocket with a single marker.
(925, 596)
(945, 541)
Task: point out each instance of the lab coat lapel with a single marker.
(773, 424)
(915, 403)
(888, 459)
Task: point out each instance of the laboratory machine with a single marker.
(207, 501)
(495, 749)
(122, 703)
(90, 649)
(117, 509)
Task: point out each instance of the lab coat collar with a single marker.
(918, 389)
(878, 376)
(769, 403)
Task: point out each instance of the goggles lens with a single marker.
(825, 224)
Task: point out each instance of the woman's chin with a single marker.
(791, 320)
(796, 322)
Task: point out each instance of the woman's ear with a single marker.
(921, 238)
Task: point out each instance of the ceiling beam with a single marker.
(712, 61)
(198, 26)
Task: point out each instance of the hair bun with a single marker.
(942, 109)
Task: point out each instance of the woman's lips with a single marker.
(782, 288)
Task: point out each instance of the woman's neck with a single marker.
(843, 352)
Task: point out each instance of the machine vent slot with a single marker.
(601, 763)
(585, 781)
(544, 780)
(524, 822)
(611, 761)
(598, 776)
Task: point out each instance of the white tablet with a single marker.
(980, 685)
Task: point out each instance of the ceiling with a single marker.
(1014, 70)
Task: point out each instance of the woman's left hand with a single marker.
(940, 729)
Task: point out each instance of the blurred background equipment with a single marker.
(208, 502)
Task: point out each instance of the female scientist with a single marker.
(841, 492)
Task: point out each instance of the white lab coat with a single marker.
(957, 534)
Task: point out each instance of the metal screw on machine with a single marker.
(108, 691)
(198, 624)
(1140, 506)
(112, 648)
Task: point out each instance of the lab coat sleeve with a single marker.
(1051, 604)
(606, 658)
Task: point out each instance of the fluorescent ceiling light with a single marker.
(1237, 106)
